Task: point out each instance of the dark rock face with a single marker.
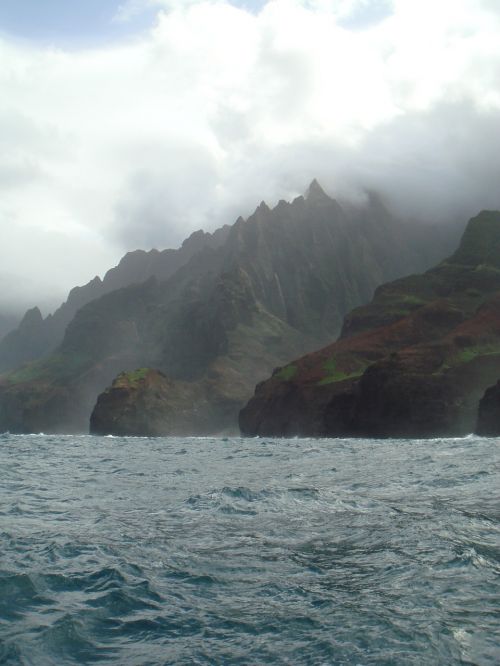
(36, 337)
(28, 341)
(143, 402)
(412, 363)
(268, 289)
(488, 418)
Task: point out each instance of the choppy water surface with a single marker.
(249, 551)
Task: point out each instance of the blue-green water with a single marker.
(249, 551)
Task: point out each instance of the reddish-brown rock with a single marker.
(413, 363)
(264, 291)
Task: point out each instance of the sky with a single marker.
(129, 124)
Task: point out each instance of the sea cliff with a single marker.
(414, 362)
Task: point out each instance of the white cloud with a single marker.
(218, 107)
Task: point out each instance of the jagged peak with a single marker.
(196, 236)
(195, 241)
(132, 255)
(32, 316)
(315, 192)
(95, 282)
(480, 242)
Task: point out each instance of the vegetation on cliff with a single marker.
(413, 362)
(276, 286)
(144, 402)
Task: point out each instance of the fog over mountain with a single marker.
(191, 121)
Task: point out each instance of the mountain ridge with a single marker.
(277, 286)
(36, 337)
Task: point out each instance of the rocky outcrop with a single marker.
(412, 363)
(488, 418)
(143, 402)
(277, 287)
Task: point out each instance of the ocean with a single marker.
(249, 551)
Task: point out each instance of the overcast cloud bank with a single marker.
(217, 107)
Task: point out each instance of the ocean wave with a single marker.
(249, 551)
